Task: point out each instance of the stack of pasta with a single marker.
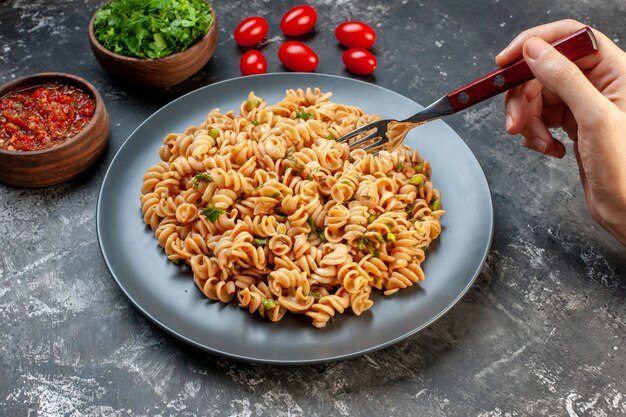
(269, 210)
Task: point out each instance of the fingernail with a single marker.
(539, 145)
(536, 47)
(508, 122)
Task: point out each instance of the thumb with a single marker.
(566, 80)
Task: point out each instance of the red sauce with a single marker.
(43, 116)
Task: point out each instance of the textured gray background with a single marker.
(540, 333)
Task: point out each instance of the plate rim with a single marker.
(286, 362)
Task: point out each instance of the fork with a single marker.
(391, 132)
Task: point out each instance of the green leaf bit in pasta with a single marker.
(200, 176)
(212, 213)
(301, 114)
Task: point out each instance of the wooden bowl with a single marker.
(66, 160)
(161, 72)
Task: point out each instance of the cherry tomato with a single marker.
(359, 61)
(251, 31)
(298, 20)
(296, 56)
(253, 62)
(355, 34)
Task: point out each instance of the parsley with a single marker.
(315, 294)
(330, 136)
(379, 237)
(212, 213)
(316, 230)
(435, 205)
(252, 104)
(419, 167)
(151, 29)
(309, 177)
(269, 303)
(371, 218)
(409, 208)
(301, 114)
(254, 122)
(276, 195)
(416, 180)
(214, 133)
(390, 237)
(400, 166)
(424, 248)
(200, 176)
(257, 241)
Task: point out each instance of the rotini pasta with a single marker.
(267, 209)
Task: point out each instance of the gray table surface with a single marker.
(540, 333)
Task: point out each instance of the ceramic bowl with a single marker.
(63, 161)
(161, 72)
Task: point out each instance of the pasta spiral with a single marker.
(268, 210)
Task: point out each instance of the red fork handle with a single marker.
(575, 46)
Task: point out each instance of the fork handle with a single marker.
(575, 46)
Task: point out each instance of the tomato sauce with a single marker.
(43, 116)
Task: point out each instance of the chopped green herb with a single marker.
(212, 213)
(400, 166)
(315, 294)
(347, 182)
(252, 104)
(254, 122)
(390, 237)
(257, 241)
(200, 176)
(269, 303)
(379, 237)
(409, 208)
(151, 29)
(373, 251)
(419, 167)
(214, 133)
(282, 239)
(276, 195)
(435, 205)
(424, 248)
(416, 180)
(301, 114)
(362, 243)
(330, 136)
(317, 230)
(309, 177)
(371, 218)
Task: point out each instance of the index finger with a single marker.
(551, 32)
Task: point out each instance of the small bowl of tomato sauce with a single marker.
(53, 126)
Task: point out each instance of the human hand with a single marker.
(588, 101)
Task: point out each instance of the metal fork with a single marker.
(575, 46)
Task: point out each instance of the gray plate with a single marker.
(166, 294)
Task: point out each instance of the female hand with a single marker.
(588, 101)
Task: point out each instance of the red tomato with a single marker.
(296, 56)
(298, 20)
(251, 31)
(359, 61)
(253, 62)
(355, 34)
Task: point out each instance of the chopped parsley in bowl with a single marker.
(151, 29)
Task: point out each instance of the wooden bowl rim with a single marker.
(134, 60)
(100, 110)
